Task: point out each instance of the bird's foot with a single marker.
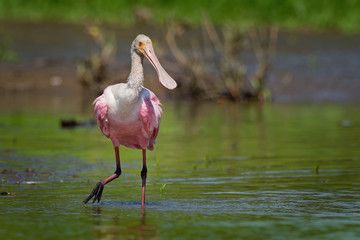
(97, 191)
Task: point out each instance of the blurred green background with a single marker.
(343, 15)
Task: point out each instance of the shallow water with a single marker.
(231, 171)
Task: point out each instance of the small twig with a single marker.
(170, 39)
(274, 34)
(211, 31)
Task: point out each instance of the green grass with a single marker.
(341, 15)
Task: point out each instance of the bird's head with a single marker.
(139, 43)
(142, 45)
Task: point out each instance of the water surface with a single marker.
(231, 171)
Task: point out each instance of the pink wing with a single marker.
(100, 112)
(150, 114)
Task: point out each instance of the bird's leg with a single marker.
(99, 187)
(143, 177)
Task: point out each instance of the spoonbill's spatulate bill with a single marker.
(129, 114)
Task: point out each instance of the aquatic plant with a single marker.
(6, 54)
(162, 187)
(213, 69)
(94, 73)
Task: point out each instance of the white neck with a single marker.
(136, 77)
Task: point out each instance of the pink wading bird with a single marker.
(129, 114)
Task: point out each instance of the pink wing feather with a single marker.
(150, 114)
(100, 111)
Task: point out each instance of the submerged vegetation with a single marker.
(341, 15)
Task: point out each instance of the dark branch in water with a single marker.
(72, 123)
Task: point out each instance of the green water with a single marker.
(231, 172)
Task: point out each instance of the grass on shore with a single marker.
(342, 15)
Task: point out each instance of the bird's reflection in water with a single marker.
(121, 224)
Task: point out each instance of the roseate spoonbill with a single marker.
(129, 114)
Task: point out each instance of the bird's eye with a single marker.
(140, 44)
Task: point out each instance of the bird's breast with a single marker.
(123, 104)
